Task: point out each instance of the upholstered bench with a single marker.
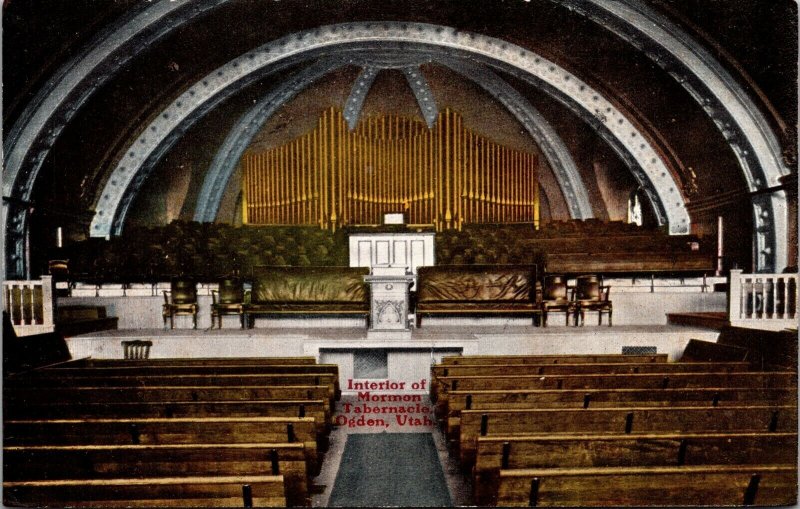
(472, 290)
(299, 291)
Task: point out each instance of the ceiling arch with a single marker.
(132, 168)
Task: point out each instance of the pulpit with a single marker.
(389, 288)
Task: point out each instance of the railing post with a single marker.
(734, 295)
(48, 302)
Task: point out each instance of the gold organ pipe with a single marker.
(493, 183)
(326, 207)
(506, 183)
(462, 173)
(293, 184)
(249, 170)
(317, 183)
(270, 183)
(282, 182)
(447, 156)
(286, 176)
(433, 177)
(346, 190)
(264, 204)
(535, 182)
(533, 191)
(518, 187)
(372, 172)
(254, 198)
(297, 189)
(360, 175)
(446, 175)
(276, 180)
(256, 184)
(521, 185)
(304, 182)
(275, 189)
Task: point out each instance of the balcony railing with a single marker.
(763, 301)
(30, 305)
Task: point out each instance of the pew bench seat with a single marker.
(32, 463)
(498, 453)
(715, 485)
(230, 491)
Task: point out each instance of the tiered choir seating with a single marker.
(210, 251)
(171, 432)
(577, 247)
(619, 430)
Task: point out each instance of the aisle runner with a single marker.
(390, 469)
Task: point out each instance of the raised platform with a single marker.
(407, 360)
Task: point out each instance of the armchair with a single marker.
(228, 300)
(556, 296)
(181, 299)
(590, 295)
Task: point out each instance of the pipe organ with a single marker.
(445, 176)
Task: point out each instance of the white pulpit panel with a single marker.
(363, 254)
(400, 247)
(410, 250)
(381, 252)
(419, 250)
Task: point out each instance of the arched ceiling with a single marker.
(93, 103)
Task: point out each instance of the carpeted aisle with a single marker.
(390, 469)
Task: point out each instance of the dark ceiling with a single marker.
(756, 41)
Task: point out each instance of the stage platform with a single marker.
(406, 360)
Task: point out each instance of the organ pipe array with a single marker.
(445, 176)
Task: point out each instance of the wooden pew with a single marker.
(608, 398)
(52, 380)
(463, 360)
(620, 381)
(317, 409)
(441, 375)
(191, 361)
(80, 394)
(497, 453)
(142, 431)
(331, 370)
(579, 368)
(179, 368)
(714, 485)
(476, 423)
(35, 463)
(263, 491)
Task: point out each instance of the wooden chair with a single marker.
(137, 349)
(590, 295)
(556, 297)
(228, 300)
(181, 299)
